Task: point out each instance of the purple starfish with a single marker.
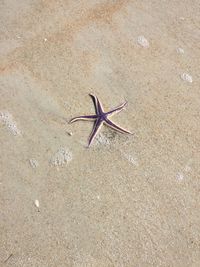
(101, 117)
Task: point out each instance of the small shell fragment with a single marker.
(180, 50)
(69, 133)
(142, 41)
(186, 77)
(37, 204)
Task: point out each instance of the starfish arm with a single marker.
(116, 127)
(97, 104)
(87, 118)
(100, 107)
(117, 109)
(94, 99)
(96, 128)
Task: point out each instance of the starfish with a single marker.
(101, 117)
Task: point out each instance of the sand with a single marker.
(127, 200)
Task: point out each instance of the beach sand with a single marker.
(128, 200)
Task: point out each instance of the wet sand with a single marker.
(127, 200)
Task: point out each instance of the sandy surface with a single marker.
(128, 200)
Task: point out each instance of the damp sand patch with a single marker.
(7, 120)
(61, 157)
(34, 163)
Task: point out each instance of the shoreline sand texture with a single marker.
(128, 200)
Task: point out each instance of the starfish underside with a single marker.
(101, 118)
